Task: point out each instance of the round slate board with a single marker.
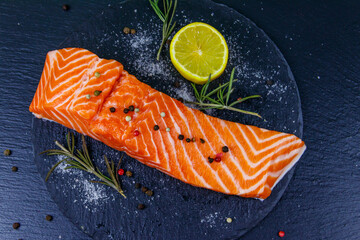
(177, 210)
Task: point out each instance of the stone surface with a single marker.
(318, 39)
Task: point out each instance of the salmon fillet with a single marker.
(254, 163)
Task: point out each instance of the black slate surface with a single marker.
(318, 39)
(177, 210)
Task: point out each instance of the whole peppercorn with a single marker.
(141, 206)
(131, 108)
(136, 133)
(269, 82)
(126, 110)
(281, 233)
(16, 225)
(65, 7)
(202, 140)
(126, 30)
(129, 174)
(120, 171)
(149, 193)
(225, 149)
(49, 218)
(193, 139)
(112, 109)
(156, 127)
(188, 140)
(177, 84)
(210, 159)
(181, 137)
(137, 185)
(7, 152)
(133, 31)
(217, 159)
(97, 92)
(14, 169)
(144, 189)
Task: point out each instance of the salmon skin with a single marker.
(256, 158)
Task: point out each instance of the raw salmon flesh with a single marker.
(256, 158)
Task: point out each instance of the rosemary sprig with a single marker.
(81, 160)
(166, 17)
(205, 101)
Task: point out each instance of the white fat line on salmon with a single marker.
(231, 157)
(246, 157)
(64, 116)
(57, 78)
(265, 177)
(264, 130)
(169, 137)
(99, 69)
(267, 157)
(79, 52)
(154, 165)
(218, 178)
(161, 141)
(85, 63)
(190, 134)
(289, 166)
(277, 143)
(264, 139)
(72, 120)
(68, 100)
(177, 129)
(100, 84)
(152, 140)
(60, 93)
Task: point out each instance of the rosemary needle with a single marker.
(206, 101)
(81, 160)
(166, 17)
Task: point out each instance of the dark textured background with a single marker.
(319, 39)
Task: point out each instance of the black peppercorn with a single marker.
(225, 149)
(16, 225)
(65, 7)
(149, 193)
(144, 189)
(188, 140)
(202, 140)
(137, 185)
(112, 109)
(181, 100)
(126, 110)
(14, 169)
(181, 137)
(131, 108)
(49, 218)
(156, 127)
(210, 159)
(141, 206)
